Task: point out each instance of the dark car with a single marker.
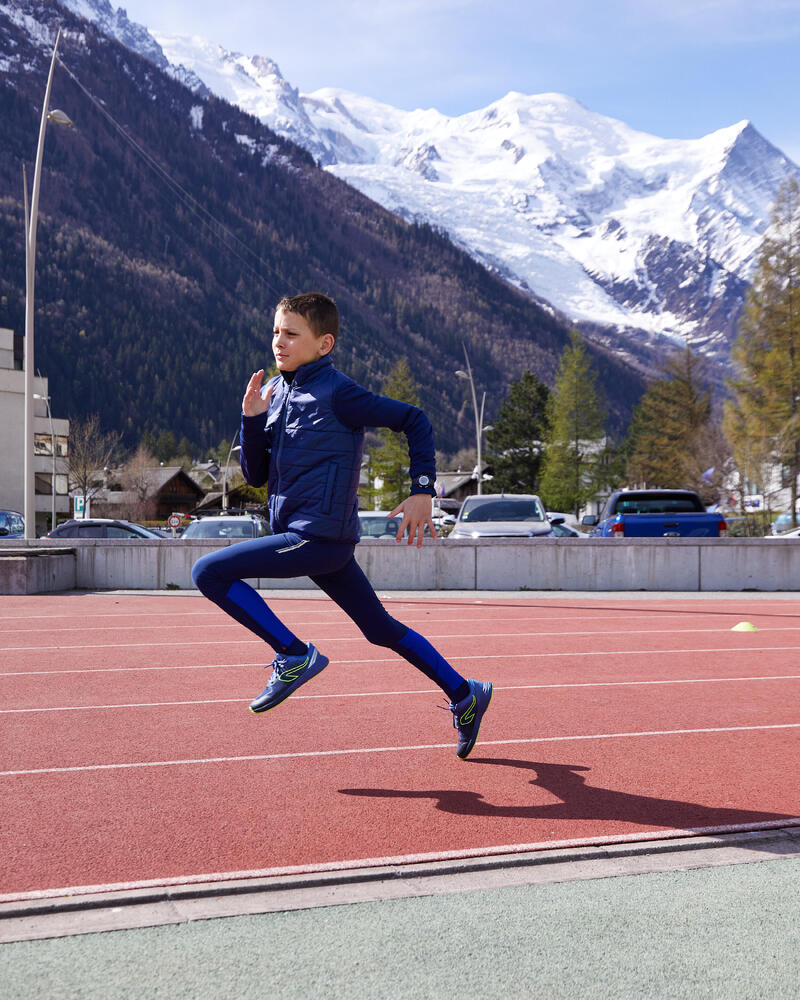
(102, 527)
(12, 524)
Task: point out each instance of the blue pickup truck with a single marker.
(656, 514)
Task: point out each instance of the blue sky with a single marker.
(675, 68)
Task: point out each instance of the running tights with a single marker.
(332, 566)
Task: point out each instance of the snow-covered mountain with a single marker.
(612, 227)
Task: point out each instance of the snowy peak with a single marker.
(612, 226)
(114, 22)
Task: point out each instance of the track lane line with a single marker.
(398, 659)
(396, 694)
(354, 751)
(343, 620)
(454, 635)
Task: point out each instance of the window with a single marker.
(62, 485)
(43, 484)
(62, 445)
(43, 444)
(91, 531)
(117, 531)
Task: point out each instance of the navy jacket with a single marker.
(307, 447)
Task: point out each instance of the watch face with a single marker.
(423, 480)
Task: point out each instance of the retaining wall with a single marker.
(655, 564)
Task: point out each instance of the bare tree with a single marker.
(90, 452)
(136, 479)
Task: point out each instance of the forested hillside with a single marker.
(164, 244)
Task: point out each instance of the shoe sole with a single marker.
(463, 756)
(317, 665)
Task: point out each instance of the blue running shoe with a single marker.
(288, 673)
(467, 715)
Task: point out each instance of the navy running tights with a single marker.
(332, 566)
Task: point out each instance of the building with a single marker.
(146, 494)
(51, 436)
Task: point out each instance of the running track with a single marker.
(128, 756)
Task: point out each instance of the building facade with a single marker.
(51, 436)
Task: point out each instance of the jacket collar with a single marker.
(307, 372)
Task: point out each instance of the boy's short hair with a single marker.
(318, 310)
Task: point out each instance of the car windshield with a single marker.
(503, 509)
(220, 529)
(375, 527)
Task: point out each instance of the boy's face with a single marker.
(294, 343)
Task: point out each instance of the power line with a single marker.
(207, 220)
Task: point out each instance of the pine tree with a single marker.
(670, 440)
(576, 418)
(516, 441)
(390, 463)
(763, 416)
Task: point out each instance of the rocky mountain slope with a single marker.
(171, 221)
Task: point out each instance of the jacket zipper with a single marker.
(282, 429)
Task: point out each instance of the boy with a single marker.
(303, 434)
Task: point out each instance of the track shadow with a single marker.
(578, 800)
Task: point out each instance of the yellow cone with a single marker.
(744, 627)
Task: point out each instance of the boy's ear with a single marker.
(326, 343)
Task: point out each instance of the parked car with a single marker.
(378, 524)
(12, 524)
(562, 530)
(656, 514)
(102, 527)
(793, 534)
(238, 526)
(502, 515)
(782, 523)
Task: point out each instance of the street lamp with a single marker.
(231, 450)
(53, 447)
(31, 220)
(479, 425)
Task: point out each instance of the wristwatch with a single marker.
(423, 484)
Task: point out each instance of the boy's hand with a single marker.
(416, 511)
(253, 402)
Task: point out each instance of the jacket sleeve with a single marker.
(357, 407)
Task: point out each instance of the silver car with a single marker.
(502, 515)
(234, 526)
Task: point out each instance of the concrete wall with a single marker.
(660, 564)
(36, 572)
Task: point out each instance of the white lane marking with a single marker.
(654, 834)
(396, 694)
(353, 751)
(454, 635)
(342, 619)
(749, 650)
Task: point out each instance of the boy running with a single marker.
(302, 433)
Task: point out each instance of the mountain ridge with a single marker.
(157, 274)
(535, 204)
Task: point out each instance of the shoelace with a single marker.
(276, 665)
(451, 707)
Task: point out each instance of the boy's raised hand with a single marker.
(416, 511)
(253, 402)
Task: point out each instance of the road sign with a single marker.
(174, 520)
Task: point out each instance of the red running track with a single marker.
(129, 756)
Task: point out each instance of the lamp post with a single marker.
(231, 450)
(53, 447)
(31, 220)
(479, 425)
